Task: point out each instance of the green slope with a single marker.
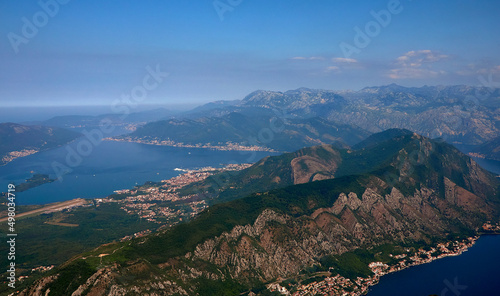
(305, 165)
(274, 132)
(16, 137)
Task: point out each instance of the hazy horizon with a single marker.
(29, 114)
(190, 105)
(73, 53)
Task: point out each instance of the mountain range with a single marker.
(490, 149)
(18, 140)
(290, 120)
(462, 115)
(364, 174)
(331, 208)
(302, 166)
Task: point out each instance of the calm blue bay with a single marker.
(111, 166)
(475, 272)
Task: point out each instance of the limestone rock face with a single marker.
(39, 288)
(278, 245)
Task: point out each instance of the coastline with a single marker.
(12, 155)
(138, 202)
(161, 202)
(464, 247)
(340, 285)
(229, 146)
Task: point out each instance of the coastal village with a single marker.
(490, 227)
(149, 201)
(228, 146)
(161, 202)
(16, 154)
(338, 285)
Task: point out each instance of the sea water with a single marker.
(110, 166)
(475, 272)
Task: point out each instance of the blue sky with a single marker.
(97, 52)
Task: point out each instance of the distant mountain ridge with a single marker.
(455, 113)
(459, 114)
(281, 134)
(119, 120)
(407, 191)
(490, 149)
(18, 140)
(292, 100)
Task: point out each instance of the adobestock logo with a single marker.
(222, 7)
(40, 19)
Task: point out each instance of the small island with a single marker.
(35, 181)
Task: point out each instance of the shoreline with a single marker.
(472, 241)
(13, 155)
(146, 200)
(466, 248)
(186, 177)
(361, 286)
(228, 147)
(27, 152)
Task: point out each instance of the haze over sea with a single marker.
(40, 113)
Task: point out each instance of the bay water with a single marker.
(110, 166)
(475, 272)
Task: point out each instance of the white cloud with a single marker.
(308, 58)
(417, 64)
(332, 69)
(417, 58)
(344, 60)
